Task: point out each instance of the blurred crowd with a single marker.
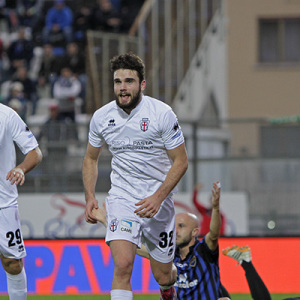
(42, 50)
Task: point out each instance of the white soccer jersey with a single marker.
(138, 143)
(12, 129)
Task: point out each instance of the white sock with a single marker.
(17, 286)
(121, 295)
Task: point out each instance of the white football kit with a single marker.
(140, 163)
(12, 129)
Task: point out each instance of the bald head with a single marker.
(187, 229)
(188, 218)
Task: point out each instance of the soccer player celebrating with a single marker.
(149, 159)
(12, 249)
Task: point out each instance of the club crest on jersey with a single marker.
(113, 226)
(144, 124)
(193, 262)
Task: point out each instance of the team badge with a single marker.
(193, 262)
(113, 226)
(144, 124)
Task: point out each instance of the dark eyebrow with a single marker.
(126, 79)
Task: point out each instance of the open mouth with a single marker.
(124, 97)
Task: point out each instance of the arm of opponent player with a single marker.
(31, 160)
(149, 206)
(212, 238)
(90, 175)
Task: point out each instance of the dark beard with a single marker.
(185, 242)
(133, 103)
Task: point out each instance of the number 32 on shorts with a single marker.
(166, 240)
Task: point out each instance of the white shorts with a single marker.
(11, 240)
(157, 233)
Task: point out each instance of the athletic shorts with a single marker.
(11, 240)
(157, 233)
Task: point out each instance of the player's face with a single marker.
(185, 230)
(128, 89)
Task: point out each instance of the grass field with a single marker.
(136, 297)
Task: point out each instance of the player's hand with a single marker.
(216, 194)
(148, 207)
(100, 214)
(90, 205)
(16, 176)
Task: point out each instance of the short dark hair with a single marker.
(128, 61)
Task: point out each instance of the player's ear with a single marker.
(196, 231)
(143, 85)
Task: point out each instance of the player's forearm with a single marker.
(174, 175)
(31, 160)
(215, 224)
(89, 176)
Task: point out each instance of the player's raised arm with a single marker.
(212, 238)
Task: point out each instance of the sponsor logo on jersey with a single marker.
(111, 122)
(176, 126)
(113, 226)
(126, 226)
(170, 251)
(21, 248)
(144, 124)
(182, 281)
(142, 143)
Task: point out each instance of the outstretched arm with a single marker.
(212, 238)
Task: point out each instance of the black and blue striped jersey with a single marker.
(198, 274)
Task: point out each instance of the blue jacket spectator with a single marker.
(59, 18)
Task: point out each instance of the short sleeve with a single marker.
(21, 134)
(95, 137)
(171, 131)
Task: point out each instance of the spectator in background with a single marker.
(16, 99)
(30, 92)
(55, 132)
(8, 13)
(20, 52)
(28, 12)
(74, 59)
(106, 17)
(83, 21)
(59, 21)
(129, 11)
(66, 90)
(49, 68)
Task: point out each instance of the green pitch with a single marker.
(137, 297)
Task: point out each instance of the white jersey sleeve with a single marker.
(95, 138)
(171, 131)
(21, 134)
